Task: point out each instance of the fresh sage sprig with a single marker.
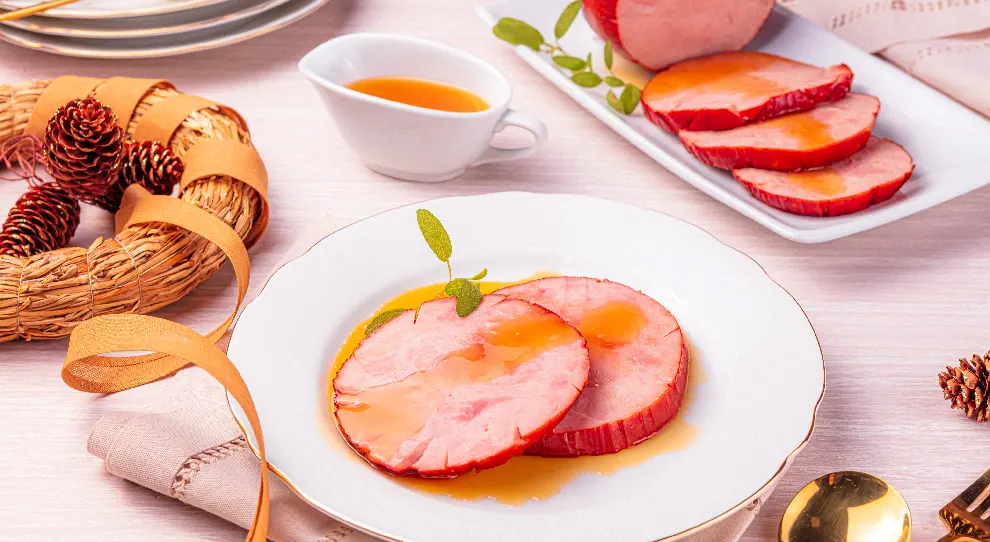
(465, 290)
(582, 70)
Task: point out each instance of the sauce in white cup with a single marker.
(405, 141)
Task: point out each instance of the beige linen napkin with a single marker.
(186, 445)
(945, 43)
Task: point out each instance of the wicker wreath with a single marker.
(147, 265)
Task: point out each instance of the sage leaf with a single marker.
(608, 55)
(587, 79)
(614, 81)
(614, 102)
(381, 319)
(570, 62)
(468, 298)
(435, 234)
(453, 287)
(630, 98)
(566, 18)
(480, 274)
(518, 32)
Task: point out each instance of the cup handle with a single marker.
(522, 120)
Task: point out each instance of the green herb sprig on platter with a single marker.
(465, 290)
(582, 70)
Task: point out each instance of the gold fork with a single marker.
(966, 515)
(31, 10)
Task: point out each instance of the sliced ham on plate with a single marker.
(870, 176)
(639, 364)
(658, 33)
(438, 395)
(814, 138)
(728, 90)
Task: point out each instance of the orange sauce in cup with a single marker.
(421, 93)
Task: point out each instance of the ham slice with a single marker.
(638, 364)
(438, 395)
(870, 176)
(658, 33)
(728, 90)
(825, 134)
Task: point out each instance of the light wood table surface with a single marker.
(890, 306)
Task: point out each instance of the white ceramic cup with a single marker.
(408, 142)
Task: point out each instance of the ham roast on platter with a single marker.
(728, 90)
(828, 133)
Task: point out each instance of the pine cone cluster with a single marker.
(83, 146)
(147, 163)
(966, 386)
(43, 219)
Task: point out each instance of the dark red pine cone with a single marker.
(83, 146)
(147, 163)
(43, 219)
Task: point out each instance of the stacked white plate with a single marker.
(148, 28)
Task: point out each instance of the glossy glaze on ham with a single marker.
(728, 90)
(868, 177)
(658, 33)
(639, 364)
(828, 133)
(437, 395)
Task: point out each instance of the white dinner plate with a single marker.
(113, 9)
(948, 141)
(146, 27)
(756, 378)
(220, 35)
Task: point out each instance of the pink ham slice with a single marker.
(638, 364)
(728, 90)
(658, 33)
(438, 395)
(870, 176)
(815, 138)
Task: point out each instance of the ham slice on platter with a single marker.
(658, 33)
(828, 133)
(870, 176)
(728, 90)
(639, 364)
(437, 395)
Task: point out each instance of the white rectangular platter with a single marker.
(950, 143)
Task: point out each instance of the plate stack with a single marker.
(148, 28)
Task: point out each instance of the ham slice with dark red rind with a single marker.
(438, 395)
(828, 133)
(870, 176)
(728, 90)
(658, 33)
(638, 364)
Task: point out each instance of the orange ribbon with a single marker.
(173, 346)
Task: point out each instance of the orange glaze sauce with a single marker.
(421, 93)
(524, 478)
(825, 181)
(386, 416)
(614, 323)
(736, 74)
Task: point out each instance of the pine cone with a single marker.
(147, 163)
(83, 145)
(43, 219)
(967, 388)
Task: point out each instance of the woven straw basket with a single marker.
(147, 265)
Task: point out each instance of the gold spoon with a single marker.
(846, 506)
(31, 10)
